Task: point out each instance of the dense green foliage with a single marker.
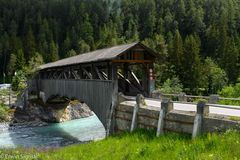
(171, 86)
(145, 145)
(184, 32)
(3, 112)
(232, 91)
(19, 81)
(4, 109)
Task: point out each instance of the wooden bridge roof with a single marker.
(95, 56)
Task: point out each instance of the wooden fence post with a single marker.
(121, 97)
(182, 97)
(166, 106)
(157, 95)
(202, 110)
(139, 103)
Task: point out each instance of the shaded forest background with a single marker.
(199, 40)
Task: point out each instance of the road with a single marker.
(224, 110)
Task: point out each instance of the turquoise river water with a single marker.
(53, 135)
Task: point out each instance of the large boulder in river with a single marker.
(71, 112)
(58, 110)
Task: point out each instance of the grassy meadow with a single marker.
(143, 144)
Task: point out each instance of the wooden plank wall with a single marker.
(97, 94)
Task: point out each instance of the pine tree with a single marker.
(84, 47)
(132, 31)
(212, 42)
(74, 39)
(53, 52)
(160, 26)
(231, 16)
(12, 64)
(194, 19)
(180, 12)
(71, 53)
(191, 63)
(5, 51)
(223, 38)
(13, 28)
(168, 22)
(30, 45)
(20, 60)
(1, 28)
(176, 53)
(147, 18)
(87, 31)
(231, 59)
(66, 45)
(108, 36)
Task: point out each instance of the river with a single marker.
(53, 135)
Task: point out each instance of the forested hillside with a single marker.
(199, 40)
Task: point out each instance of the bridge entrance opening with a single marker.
(133, 79)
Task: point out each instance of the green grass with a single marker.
(145, 145)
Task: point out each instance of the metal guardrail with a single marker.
(131, 98)
(204, 97)
(211, 105)
(212, 100)
(224, 106)
(189, 96)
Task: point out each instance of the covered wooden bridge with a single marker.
(97, 77)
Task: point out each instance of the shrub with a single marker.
(3, 112)
(19, 81)
(230, 92)
(213, 77)
(172, 85)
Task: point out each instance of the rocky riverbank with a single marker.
(57, 113)
(37, 113)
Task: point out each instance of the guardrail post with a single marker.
(121, 98)
(139, 103)
(202, 110)
(166, 106)
(157, 94)
(214, 98)
(182, 97)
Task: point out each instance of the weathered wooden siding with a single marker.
(96, 94)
